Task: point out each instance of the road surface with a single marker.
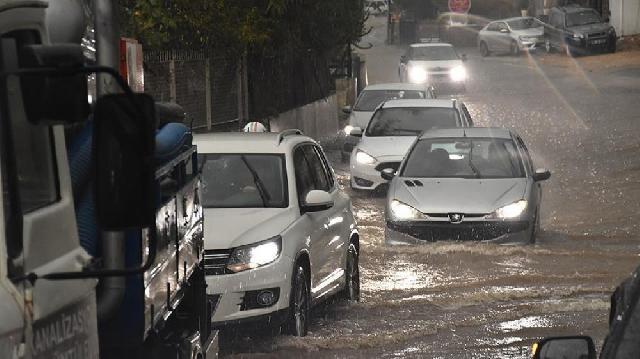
(473, 300)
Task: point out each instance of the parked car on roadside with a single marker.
(578, 30)
(370, 98)
(435, 63)
(279, 232)
(393, 128)
(623, 339)
(464, 184)
(377, 7)
(511, 36)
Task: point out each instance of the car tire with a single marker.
(547, 46)
(612, 45)
(514, 48)
(351, 290)
(535, 228)
(299, 304)
(484, 50)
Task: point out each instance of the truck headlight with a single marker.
(512, 210)
(403, 211)
(458, 73)
(417, 75)
(255, 255)
(364, 158)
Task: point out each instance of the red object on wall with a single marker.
(460, 6)
(131, 68)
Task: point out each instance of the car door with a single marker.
(536, 189)
(503, 37)
(490, 36)
(327, 250)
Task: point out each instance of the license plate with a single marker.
(598, 42)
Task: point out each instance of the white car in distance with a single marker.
(435, 63)
(280, 234)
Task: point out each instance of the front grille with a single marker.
(215, 261)
(392, 165)
(465, 231)
(597, 34)
(438, 69)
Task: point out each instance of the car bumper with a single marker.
(415, 232)
(530, 45)
(443, 81)
(229, 291)
(369, 177)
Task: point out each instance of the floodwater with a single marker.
(478, 300)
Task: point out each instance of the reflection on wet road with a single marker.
(477, 300)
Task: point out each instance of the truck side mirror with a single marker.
(124, 147)
(574, 347)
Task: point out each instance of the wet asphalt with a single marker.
(580, 119)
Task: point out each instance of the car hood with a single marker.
(360, 118)
(382, 148)
(536, 31)
(232, 227)
(587, 29)
(444, 65)
(457, 195)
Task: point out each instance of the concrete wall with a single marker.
(318, 119)
(625, 16)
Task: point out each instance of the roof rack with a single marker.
(289, 132)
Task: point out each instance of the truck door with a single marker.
(44, 231)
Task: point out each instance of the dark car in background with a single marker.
(578, 30)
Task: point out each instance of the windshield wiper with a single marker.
(473, 167)
(264, 195)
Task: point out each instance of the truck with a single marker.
(101, 230)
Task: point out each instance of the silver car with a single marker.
(511, 35)
(465, 184)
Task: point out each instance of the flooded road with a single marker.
(476, 300)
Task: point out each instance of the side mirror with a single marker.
(356, 132)
(575, 347)
(316, 201)
(463, 57)
(347, 109)
(388, 174)
(541, 174)
(58, 97)
(124, 147)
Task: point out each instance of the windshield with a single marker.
(408, 121)
(464, 158)
(370, 99)
(433, 53)
(243, 181)
(580, 18)
(524, 23)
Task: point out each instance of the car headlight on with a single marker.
(347, 129)
(458, 73)
(417, 75)
(512, 210)
(255, 255)
(364, 158)
(578, 36)
(403, 211)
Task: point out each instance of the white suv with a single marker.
(280, 234)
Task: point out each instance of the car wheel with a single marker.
(484, 50)
(534, 229)
(515, 49)
(547, 46)
(299, 304)
(351, 290)
(612, 45)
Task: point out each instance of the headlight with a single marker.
(347, 129)
(528, 38)
(417, 75)
(512, 210)
(255, 255)
(458, 73)
(364, 158)
(404, 211)
(578, 36)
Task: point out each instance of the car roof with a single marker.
(431, 44)
(241, 142)
(469, 132)
(396, 86)
(419, 103)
